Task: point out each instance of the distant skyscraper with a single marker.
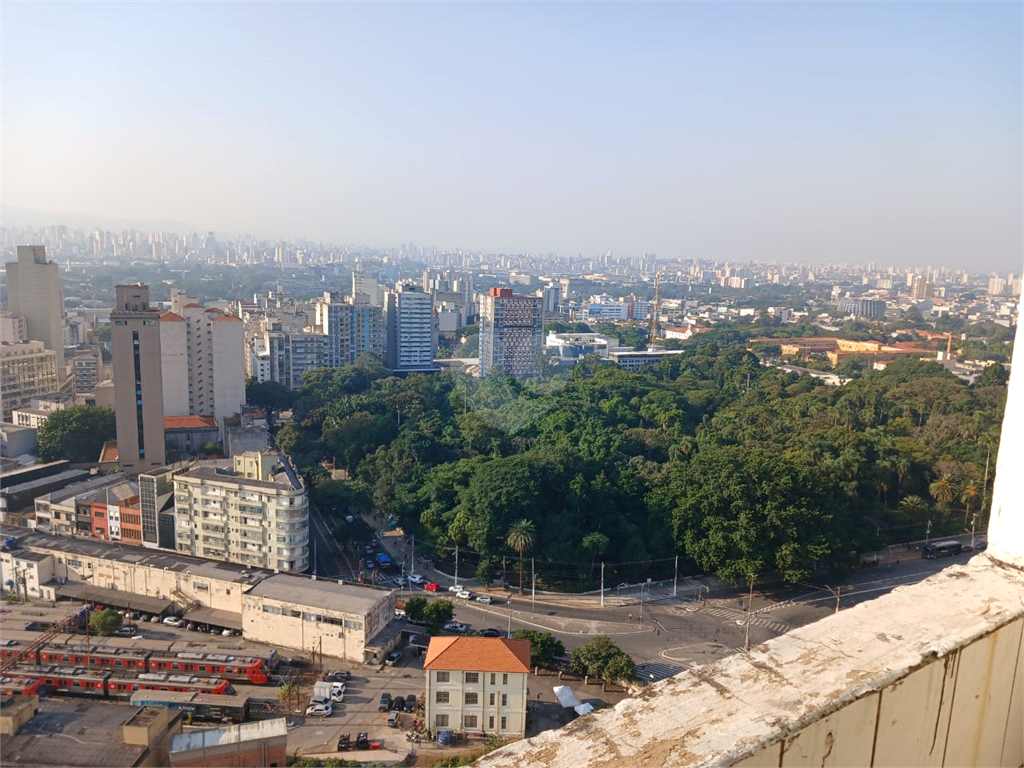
(33, 291)
(138, 382)
(511, 332)
(411, 332)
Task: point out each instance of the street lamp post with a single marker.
(928, 532)
(974, 519)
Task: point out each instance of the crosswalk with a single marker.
(732, 614)
(653, 671)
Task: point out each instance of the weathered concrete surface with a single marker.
(834, 692)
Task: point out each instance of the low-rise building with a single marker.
(477, 685)
(262, 743)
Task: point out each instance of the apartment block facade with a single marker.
(251, 510)
(27, 370)
(350, 330)
(477, 685)
(411, 331)
(511, 333)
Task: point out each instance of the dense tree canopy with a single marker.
(734, 467)
(76, 433)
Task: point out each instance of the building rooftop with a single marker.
(171, 317)
(74, 733)
(478, 654)
(231, 734)
(303, 590)
(153, 558)
(226, 474)
(189, 422)
(95, 483)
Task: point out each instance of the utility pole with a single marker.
(456, 565)
(750, 603)
(509, 616)
(675, 579)
(602, 583)
(413, 554)
(974, 519)
(839, 589)
(533, 572)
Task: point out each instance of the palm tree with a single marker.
(943, 489)
(969, 493)
(521, 537)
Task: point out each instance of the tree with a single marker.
(544, 646)
(271, 396)
(485, 571)
(943, 489)
(597, 544)
(994, 375)
(593, 658)
(969, 493)
(288, 694)
(76, 433)
(105, 622)
(416, 608)
(439, 613)
(521, 537)
(620, 669)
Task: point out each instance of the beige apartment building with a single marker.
(27, 370)
(477, 685)
(252, 510)
(138, 382)
(33, 291)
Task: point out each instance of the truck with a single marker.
(383, 560)
(333, 692)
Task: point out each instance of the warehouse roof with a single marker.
(331, 595)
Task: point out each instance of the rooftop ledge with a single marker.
(927, 675)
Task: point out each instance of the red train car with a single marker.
(116, 685)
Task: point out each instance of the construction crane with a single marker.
(653, 325)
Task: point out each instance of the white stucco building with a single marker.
(477, 685)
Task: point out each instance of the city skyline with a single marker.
(791, 132)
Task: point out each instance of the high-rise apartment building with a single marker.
(411, 331)
(33, 291)
(13, 328)
(350, 329)
(366, 290)
(511, 333)
(251, 510)
(27, 370)
(138, 381)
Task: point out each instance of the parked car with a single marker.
(126, 630)
(485, 599)
(398, 703)
(456, 626)
(410, 702)
(385, 702)
(370, 564)
(490, 632)
(322, 708)
(338, 676)
(393, 658)
(454, 588)
(368, 549)
(432, 586)
(345, 742)
(174, 621)
(350, 518)
(395, 720)
(415, 578)
(155, 620)
(464, 594)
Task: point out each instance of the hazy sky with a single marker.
(818, 131)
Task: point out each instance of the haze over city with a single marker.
(856, 132)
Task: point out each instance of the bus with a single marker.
(941, 549)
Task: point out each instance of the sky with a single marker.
(822, 132)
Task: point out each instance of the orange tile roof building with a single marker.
(477, 685)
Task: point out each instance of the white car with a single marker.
(415, 578)
(485, 599)
(322, 708)
(464, 594)
(456, 626)
(454, 588)
(174, 621)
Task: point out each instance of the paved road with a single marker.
(327, 559)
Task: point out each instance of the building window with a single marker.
(472, 697)
(441, 721)
(472, 678)
(441, 697)
(492, 678)
(442, 677)
(504, 679)
(490, 723)
(492, 699)
(469, 721)
(504, 723)
(504, 699)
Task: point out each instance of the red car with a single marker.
(432, 586)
